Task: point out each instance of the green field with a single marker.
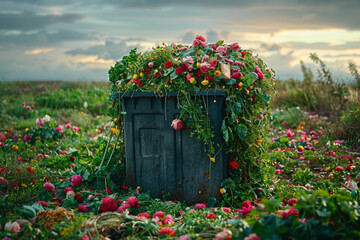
(61, 177)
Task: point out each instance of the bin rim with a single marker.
(168, 94)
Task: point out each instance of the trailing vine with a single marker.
(247, 83)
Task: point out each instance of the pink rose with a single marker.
(213, 63)
(123, 207)
(236, 75)
(220, 49)
(204, 67)
(168, 220)
(14, 227)
(236, 46)
(158, 214)
(83, 208)
(133, 202)
(252, 236)
(177, 124)
(289, 134)
(76, 129)
(40, 122)
(167, 231)
(200, 38)
(200, 205)
(339, 169)
(196, 43)
(67, 126)
(210, 216)
(85, 237)
(76, 180)
(48, 186)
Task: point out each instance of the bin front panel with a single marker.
(162, 160)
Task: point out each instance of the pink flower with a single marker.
(188, 59)
(224, 234)
(27, 138)
(279, 171)
(220, 49)
(204, 67)
(68, 189)
(83, 208)
(227, 210)
(72, 165)
(67, 126)
(200, 205)
(48, 186)
(150, 64)
(123, 207)
(292, 201)
(14, 227)
(40, 122)
(196, 43)
(60, 128)
(76, 129)
(339, 169)
(252, 236)
(76, 180)
(188, 76)
(338, 141)
(133, 202)
(168, 220)
(70, 194)
(235, 46)
(42, 203)
(167, 231)
(177, 124)
(108, 205)
(200, 38)
(210, 216)
(144, 215)
(261, 117)
(159, 214)
(236, 75)
(84, 237)
(289, 134)
(260, 75)
(213, 63)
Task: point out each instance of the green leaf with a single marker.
(264, 97)
(225, 131)
(231, 82)
(86, 175)
(323, 212)
(284, 139)
(173, 75)
(248, 82)
(219, 43)
(220, 78)
(242, 131)
(237, 107)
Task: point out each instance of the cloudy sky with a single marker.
(80, 40)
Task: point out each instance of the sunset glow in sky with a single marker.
(80, 40)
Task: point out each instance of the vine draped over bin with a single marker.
(246, 80)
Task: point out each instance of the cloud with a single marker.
(38, 51)
(29, 21)
(214, 36)
(273, 46)
(44, 38)
(109, 51)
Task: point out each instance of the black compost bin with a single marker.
(163, 160)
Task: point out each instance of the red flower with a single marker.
(42, 203)
(339, 169)
(79, 198)
(123, 207)
(108, 190)
(236, 75)
(159, 214)
(177, 124)
(76, 180)
(167, 231)
(292, 201)
(210, 216)
(233, 165)
(169, 64)
(48, 186)
(209, 78)
(67, 189)
(246, 204)
(168, 220)
(348, 168)
(108, 205)
(124, 187)
(83, 208)
(133, 202)
(144, 215)
(200, 38)
(138, 82)
(179, 70)
(200, 205)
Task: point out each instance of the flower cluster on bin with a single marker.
(245, 79)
